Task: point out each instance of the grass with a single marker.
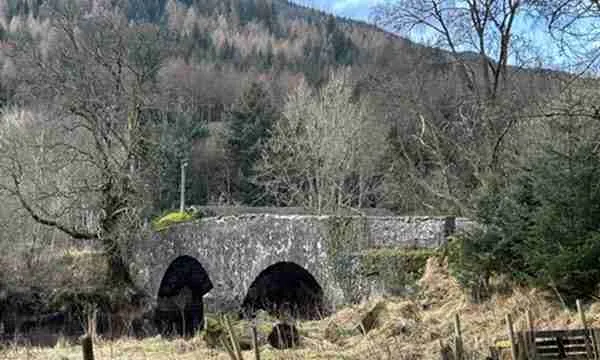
(151, 349)
(406, 329)
(126, 349)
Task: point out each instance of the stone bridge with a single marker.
(239, 261)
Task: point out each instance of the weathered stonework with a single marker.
(235, 249)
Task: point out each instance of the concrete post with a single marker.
(182, 187)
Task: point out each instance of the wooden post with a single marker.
(524, 348)
(458, 349)
(255, 342)
(531, 332)
(596, 342)
(234, 341)
(511, 336)
(227, 346)
(581, 314)
(588, 347)
(279, 337)
(88, 347)
(293, 336)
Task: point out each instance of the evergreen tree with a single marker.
(340, 48)
(266, 13)
(173, 136)
(330, 25)
(265, 60)
(235, 8)
(249, 123)
(544, 228)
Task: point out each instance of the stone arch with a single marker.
(180, 310)
(285, 289)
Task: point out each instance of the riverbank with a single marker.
(404, 328)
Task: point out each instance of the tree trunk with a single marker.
(118, 271)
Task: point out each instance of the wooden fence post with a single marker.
(595, 341)
(234, 340)
(588, 347)
(511, 336)
(88, 347)
(531, 328)
(458, 348)
(255, 342)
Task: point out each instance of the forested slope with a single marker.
(270, 103)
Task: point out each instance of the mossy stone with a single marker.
(397, 268)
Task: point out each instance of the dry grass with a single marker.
(407, 329)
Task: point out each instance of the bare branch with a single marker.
(74, 233)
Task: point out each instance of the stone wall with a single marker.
(235, 249)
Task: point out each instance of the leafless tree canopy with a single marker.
(325, 150)
(77, 150)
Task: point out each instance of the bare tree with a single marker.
(325, 150)
(483, 26)
(574, 25)
(454, 114)
(91, 87)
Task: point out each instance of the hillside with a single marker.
(206, 51)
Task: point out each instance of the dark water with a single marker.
(48, 329)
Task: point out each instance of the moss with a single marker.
(397, 268)
(172, 218)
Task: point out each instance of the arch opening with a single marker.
(285, 289)
(180, 308)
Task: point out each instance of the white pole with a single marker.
(182, 187)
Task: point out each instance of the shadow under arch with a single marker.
(180, 310)
(285, 289)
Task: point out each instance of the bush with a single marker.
(472, 262)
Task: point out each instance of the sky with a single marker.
(535, 35)
(355, 9)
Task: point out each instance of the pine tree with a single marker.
(234, 14)
(250, 122)
(266, 13)
(544, 227)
